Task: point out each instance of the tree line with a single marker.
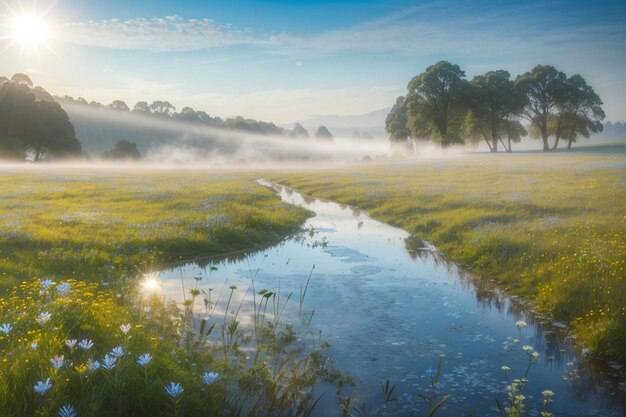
(164, 109)
(443, 106)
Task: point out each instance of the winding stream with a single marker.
(390, 306)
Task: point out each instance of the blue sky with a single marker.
(284, 61)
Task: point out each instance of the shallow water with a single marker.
(390, 306)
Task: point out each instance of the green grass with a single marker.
(106, 225)
(550, 228)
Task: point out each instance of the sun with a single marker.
(29, 31)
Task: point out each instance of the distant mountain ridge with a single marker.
(372, 123)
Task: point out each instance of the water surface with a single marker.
(391, 306)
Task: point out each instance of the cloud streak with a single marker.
(171, 33)
(428, 28)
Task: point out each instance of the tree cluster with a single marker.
(443, 106)
(32, 124)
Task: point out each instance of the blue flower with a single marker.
(209, 377)
(93, 365)
(85, 344)
(43, 386)
(6, 328)
(58, 362)
(63, 289)
(67, 411)
(45, 284)
(174, 389)
(109, 362)
(431, 372)
(144, 359)
(117, 351)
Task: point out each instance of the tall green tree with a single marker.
(493, 103)
(436, 103)
(28, 125)
(323, 133)
(544, 88)
(123, 150)
(580, 111)
(396, 124)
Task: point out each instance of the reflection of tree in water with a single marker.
(588, 377)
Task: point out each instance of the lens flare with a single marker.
(29, 30)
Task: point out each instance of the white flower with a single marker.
(85, 344)
(520, 324)
(44, 317)
(58, 362)
(43, 386)
(527, 348)
(144, 359)
(63, 289)
(209, 377)
(34, 345)
(93, 365)
(516, 340)
(535, 355)
(71, 343)
(117, 351)
(548, 393)
(67, 411)
(174, 389)
(125, 328)
(6, 328)
(505, 368)
(45, 284)
(109, 362)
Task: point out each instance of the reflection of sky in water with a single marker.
(389, 314)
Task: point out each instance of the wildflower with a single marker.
(209, 377)
(430, 372)
(71, 343)
(144, 359)
(535, 355)
(6, 328)
(44, 317)
(93, 365)
(125, 328)
(174, 389)
(34, 345)
(505, 368)
(527, 348)
(147, 309)
(45, 284)
(117, 351)
(109, 362)
(58, 362)
(67, 411)
(42, 386)
(520, 324)
(63, 289)
(85, 344)
(548, 396)
(516, 340)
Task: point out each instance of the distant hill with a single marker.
(344, 126)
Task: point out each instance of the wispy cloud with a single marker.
(160, 34)
(439, 26)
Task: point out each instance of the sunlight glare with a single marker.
(151, 283)
(29, 30)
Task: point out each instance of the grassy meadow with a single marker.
(550, 228)
(108, 224)
(80, 334)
